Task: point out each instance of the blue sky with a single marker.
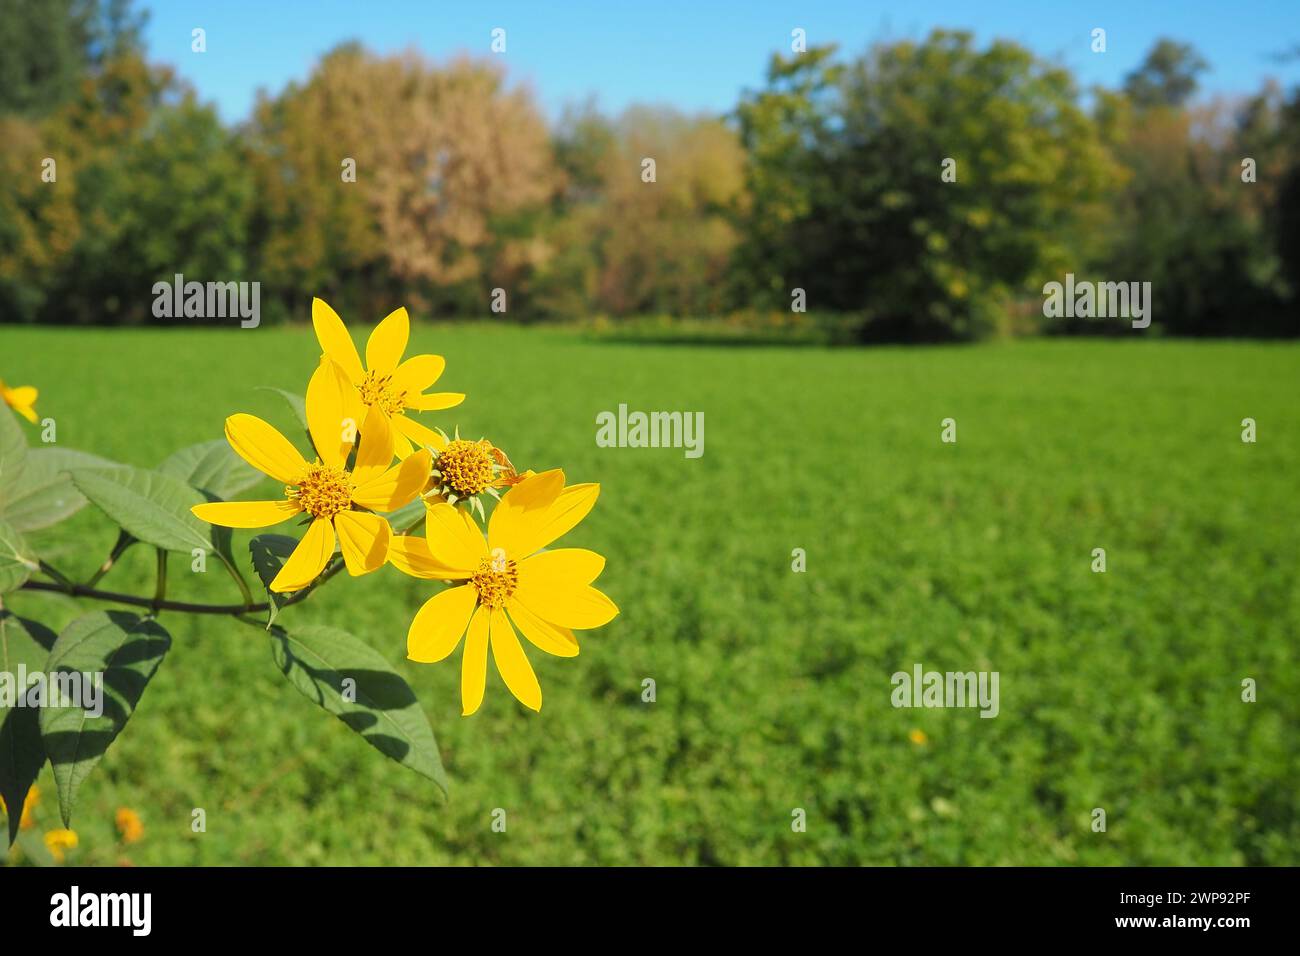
(695, 55)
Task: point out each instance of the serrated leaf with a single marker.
(43, 493)
(295, 402)
(13, 450)
(211, 466)
(151, 506)
(318, 659)
(269, 553)
(22, 754)
(126, 649)
(17, 561)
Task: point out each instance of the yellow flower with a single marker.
(325, 490)
(545, 594)
(387, 383)
(56, 841)
(918, 737)
(128, 824)
(21, 400)
(25, 821)
(463, 470)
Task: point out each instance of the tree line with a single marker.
(920, 190)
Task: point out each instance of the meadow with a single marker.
(1119, 690)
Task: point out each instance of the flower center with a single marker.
(496, 579)
(465, 467)
(378, 390)
(323, 491)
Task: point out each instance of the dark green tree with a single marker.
(1167, 77)
(924, 185)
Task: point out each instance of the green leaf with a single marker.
(318, 659)
(13, 449)
(295, 402)
(126, 649)
(213, 467)
(17, 562)
(22, 754)
(269, 552)
(43, 493)
(151, 506)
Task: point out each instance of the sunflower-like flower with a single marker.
(463, 470)
(387, 383)
(21, 399)
(338, 500)
(546, 594)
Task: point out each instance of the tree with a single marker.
(449, 166)
(52, 45)
(852, 164)
(1167, 77)
(1186, 221)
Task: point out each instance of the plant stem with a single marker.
(85, 590)
(62, 585)
(160, 589)
(124, 541)
(158, 603)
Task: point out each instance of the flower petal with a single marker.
(512, 662)
(246, 514)
(26, 395)
(562, 568)
(397, 486)
(418, 372)
(334, 339)
(263, 447)
(418, 433)
(411, 555)
(363, 538)
(439, 624)
(573, 504)
(388, 342)
(473, 666)
(551, 638)
(516, 520)
(332, 421)
(578, 607)
(435, 401)
(453, 537)
(375, 452)
(308, 559)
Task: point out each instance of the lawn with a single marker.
(1119, 690)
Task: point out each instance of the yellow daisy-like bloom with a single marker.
(386, 382)
(57, 841)
(129, 824)
(20, 399)
(25, 819)
(324, 490)
(547, 595)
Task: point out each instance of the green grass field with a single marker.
(1119, 690)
